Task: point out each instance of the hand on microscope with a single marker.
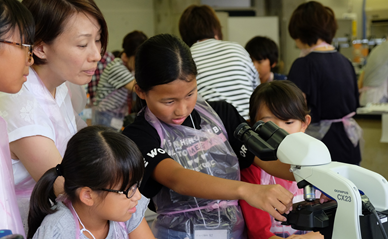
(274, 199)
(324, 198)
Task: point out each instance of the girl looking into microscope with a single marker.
(283, 103)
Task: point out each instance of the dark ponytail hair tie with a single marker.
(59, 170)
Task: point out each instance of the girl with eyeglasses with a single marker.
(101, 170)
(16, 36)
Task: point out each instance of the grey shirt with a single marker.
(61, 224)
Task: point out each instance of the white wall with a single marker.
(289, 50)
(124, 16)
(242, 29)
(342, 7)
(227, 3)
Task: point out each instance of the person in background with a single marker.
(283, 103)
(101, 65)
(102, 169)
(328, 81)
(225, 70)
(17, 31)
(264, 54)
(70, 37)
(117, 53)
(373, 81)
(116, 84)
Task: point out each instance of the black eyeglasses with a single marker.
(29, 47)
(128, 193)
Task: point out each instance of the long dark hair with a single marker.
(96, 157)
(161, 60)
(13, 14)
(283, 98)
(51, 15)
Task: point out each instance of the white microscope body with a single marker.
(310, 161)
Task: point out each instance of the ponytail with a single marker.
(42, 198)
(96, 157)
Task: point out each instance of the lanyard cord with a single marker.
(83, 227)
(196, 202)
(192, 121)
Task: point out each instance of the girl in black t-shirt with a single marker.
(192, 170)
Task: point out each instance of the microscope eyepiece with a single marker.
(254, 143)
(265, 130)
(241, 130)
(256, 127)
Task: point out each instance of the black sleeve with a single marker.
(231, 119)
(148, 141)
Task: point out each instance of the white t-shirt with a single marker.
(34, 111)
(375, 85)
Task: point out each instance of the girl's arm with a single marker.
(38, 154)
(142, 231)
(275, 168)
(273, 199)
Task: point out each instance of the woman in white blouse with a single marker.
(70, 38)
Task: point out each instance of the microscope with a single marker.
(359, 209)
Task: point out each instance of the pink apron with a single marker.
(9, 211)
(205, 150)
